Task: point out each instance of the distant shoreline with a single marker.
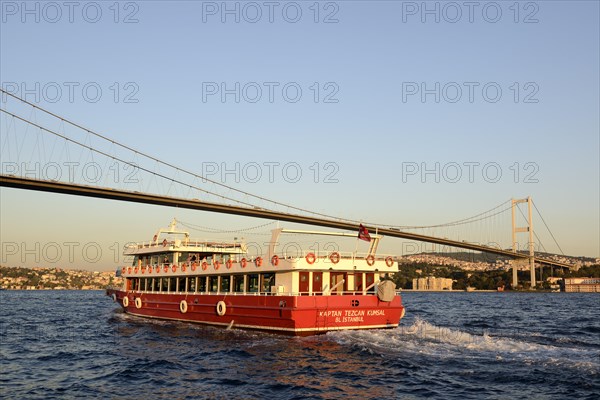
(448, 291)
(482, 291)
(52, 290)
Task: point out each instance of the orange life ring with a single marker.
(311, 258)
(243, 263)
(157, 269)
(217, 265)
(143, 270)
(183, 268)
(275, 260)
(389, 261)
(194, 266)
(165, 243)
(229, 264)
(129, 270)
(258, 261)
(370, 259)
(334, 257)
(166, 268)
(149, 268)
(204, 266)
(135, 270)
(123, 270)
(174, 268)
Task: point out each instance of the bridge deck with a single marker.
(136, 197)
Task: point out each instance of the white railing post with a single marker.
(336, 286)
(368, 288)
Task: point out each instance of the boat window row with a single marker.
(238, 283)
(169, 258)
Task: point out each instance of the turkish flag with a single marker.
(363, 234)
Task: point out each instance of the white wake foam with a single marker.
(430, 340)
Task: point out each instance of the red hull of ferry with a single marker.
(293, 315)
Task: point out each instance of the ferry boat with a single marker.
(173, 277)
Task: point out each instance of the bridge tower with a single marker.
(515, 244)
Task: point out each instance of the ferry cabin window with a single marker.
(370, 278)
(135, 284)
(252, 283)
(181, 284)
(164, 284)
(140, 261)
(172, 284)
(163, 258)
(238, 283)
(189, 257)
(192, 284)
(201, 284)
(152, 286)
(267, 280)
(213, 284)
(225, 282)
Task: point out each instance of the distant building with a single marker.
(432, 283)
(587, 285)
(555, 283)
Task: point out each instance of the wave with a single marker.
(427, 340)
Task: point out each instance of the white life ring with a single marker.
(138, 302)
(114, 297)
(221, 308)
(125, 301)
(183, 306)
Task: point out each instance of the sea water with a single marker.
(79, 344)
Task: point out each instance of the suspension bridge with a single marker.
(35, 142)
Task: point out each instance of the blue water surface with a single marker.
(76, 344)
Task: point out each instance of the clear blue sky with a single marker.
(371, 62)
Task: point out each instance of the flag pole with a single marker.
(356, 247)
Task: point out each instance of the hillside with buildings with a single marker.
(431, 272)
(19, 278)
(469, 261)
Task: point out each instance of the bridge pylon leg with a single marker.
(532, 271)
(525, 229)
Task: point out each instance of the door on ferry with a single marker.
(370, 278)
(358, 282)
(335, 279)
(317, 282)
(304, 279)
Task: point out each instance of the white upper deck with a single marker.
(184, 256)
